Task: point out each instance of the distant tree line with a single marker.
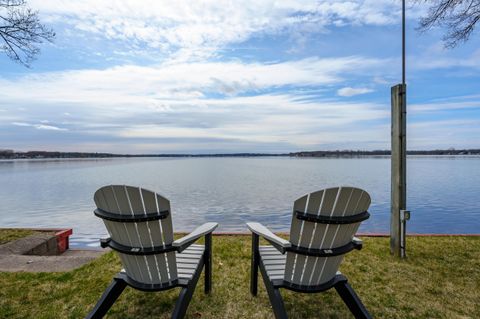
(10, 154)
(352, 153)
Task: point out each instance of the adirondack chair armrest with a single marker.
(104, 242)
(182, 243)
(357, 243)
(279, 243)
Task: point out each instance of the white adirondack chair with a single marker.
(322, 231)
(139, 223)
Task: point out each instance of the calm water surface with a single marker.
(443, 192)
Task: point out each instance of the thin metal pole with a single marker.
(403, 42)
(404, 215)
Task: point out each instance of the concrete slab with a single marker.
(41, 243)
(69, 260)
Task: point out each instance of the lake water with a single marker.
(443, 192)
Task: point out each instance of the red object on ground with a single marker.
(62, 239)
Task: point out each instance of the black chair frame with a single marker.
(122, 280)
(339, 282)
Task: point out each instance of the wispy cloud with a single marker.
(21, 124)
(349, 91)
(450, 104)
(49, 127)
(149, 86)
(40, 126)
(186, 29)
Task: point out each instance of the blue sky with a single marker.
(244, 76)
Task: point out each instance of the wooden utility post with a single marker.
(399, 215)
(399, 169)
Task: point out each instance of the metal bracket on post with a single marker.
(404, 216)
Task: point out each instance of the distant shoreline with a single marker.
(10, 154)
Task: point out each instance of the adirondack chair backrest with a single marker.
(339, 201)
(128, 201)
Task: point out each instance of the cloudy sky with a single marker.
(236, 76)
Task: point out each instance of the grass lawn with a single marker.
(440, 279)
(8, 234)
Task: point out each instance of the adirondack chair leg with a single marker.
(274, 295)
(254, 270)
(208, 263)
(277, 304)
(351, 299)
(108, 298)
(186, 295)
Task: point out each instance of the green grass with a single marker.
(10, 234)
(440, 279)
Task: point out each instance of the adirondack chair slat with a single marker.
(149, 201)
(192, 253)
(296, 263)
(279, 262)
(308, 236)
(344, 208)
(295, 231)
(270, 250)
(314, 201)
(185, 273)
(185, 266)
(324, 269)
(273, 258)
(105, 199)
(195, 247)
(136, 207)
(275, 263)
(185, 276)
(275, 272)
(155, 273)
(186, 261)
(189, 255)
(139, 223)
(274, 267)
(298, 267)
(167, 233)
(322, 231)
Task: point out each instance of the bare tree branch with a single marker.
(21, 31)
(458, 16)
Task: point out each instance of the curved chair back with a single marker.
(139, 223)
(322, 222)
